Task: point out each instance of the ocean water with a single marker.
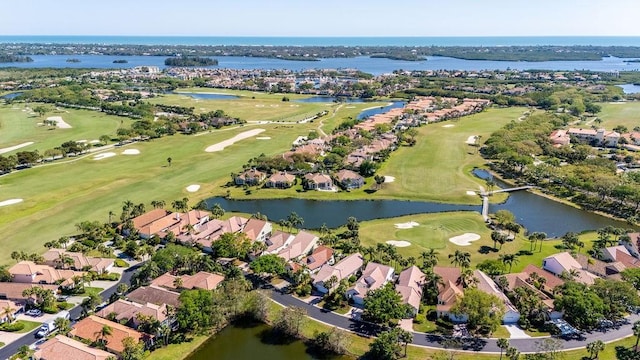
(329, 41)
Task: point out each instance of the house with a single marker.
(448, 292)
(90, 327)
(155, 295)
(201, 280)
(127, 311)
(148, 217)
(633, 244)
(317, 181)
(560, 138)
(177, 223)
(212, 230)
(9, 309)
(301, 245)
(550, 283)
(610, 253)
(349, 179)
(564, 264)
(409, 286)
(13, 291)
(373, 277)
(320, 256)
(54, 257)
(277, 241)
(487, 285)
(257, 230)
(30, 272)
(280, 180)
(342, 270)
(523, 279)
(250, 177)
(609, 270)
(64, 348)
(596, 137)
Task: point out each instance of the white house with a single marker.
(373, 277)
(487, 285)
(342, 270)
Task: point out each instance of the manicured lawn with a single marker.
(121, 263)
(501, 332)
(177, 351)
(28, 326)
(625, 114)
(89, 290)
(18, 127)
(341, 310)
(536, 333)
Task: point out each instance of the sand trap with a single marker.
(131, 152)
(10, 202)
(448, 125)
(103, 156)
(94, 142)
(81, 141)
(398, 243)
(59, 122)
(349, 107)
(263, 138)
(471, 140)
(221, 145)
(16, 147)
(299, 140)
(407, 225)
(464, 239)
(617, 102)
(389, 179)
(471, 193)
(193, 188)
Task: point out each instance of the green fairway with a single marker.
(438, 167)
(614, 114)
(18, 126)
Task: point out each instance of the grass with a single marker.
(177, 351)
(18, 127)
(619, 114)
(535, 333)
(120, 263)
(501, 332)
(344, 309)
(2, 344)
(28, 326)
(89, 290)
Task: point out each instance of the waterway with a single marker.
(630, 88)
(366, 64)
(250, 342)
(534, 212)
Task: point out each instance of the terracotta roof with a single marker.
(282, 177)
(80, 261)
(64, 348)
(627, 260)
(565, 260)
(551, 281)
(319, 257)
(13, 291)
(373, 277)
(318, 178)
(345, 174)
(343, 269)
(155, 295)
(202, 280)
(148, 217)
(89, 329)
(253, 228)
(128, 310)
(277, 240)
(299, 246)
(409, 286)
(450, 289)
(487, 285)
(43, 273)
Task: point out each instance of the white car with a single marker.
(34, 312)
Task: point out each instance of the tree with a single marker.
(387, 345)
(233, 245)
(405, 337)
(41, 110)
(504, 216)
(295, 220)
(503, 344)
(632, 276)
(169, 160)
(269, 264)
(289, 321)
(484, 311)
(217, 211)
(513, 353)
(570, 240)
(132, 349)
(7, 313)
(617, 297)
(594, 348)
(334, 341)
(582, 306)
(636, 333)
(63, 325)
(429, 258)
(383, 305)
(367, 168)
(103, 333)
(195, 313)
(460, 258)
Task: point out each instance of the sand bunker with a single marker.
(103, 156)
(221, 145)
(471, 193)
(263, 138)
(59, 122)
(94, 142)
(407, 225)
(471, 140)
(10, 202)
(464, 239)
(398, 243)
(193, 188)
(389, 179)
(81, 141)
(16, 147)
(131, 152)
(448, 125)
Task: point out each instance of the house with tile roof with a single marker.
(373, 277)
(487, 285)
(127, 312)
(13, 291)
(610, 253)
(258, 230)
(348, 179)
(449, 291)
(53, 257)
(30, 272)
(212, 230)
(346, 267)
(201, 280)
(633, 244)
(250, 177)
(155, 295)
(522, 279)
(317, 181)
(89, 329)
(320, 256)
(9, 309)
(63, 348)
(300, 246)
(278, 241)
(409, 286)
(280, 180)
(563, 263)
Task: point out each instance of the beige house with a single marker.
(281, 180)
(410, 283)
(342, 270)
(64, 348)
(373, 277)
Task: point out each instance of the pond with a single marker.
(534, 212)
(209, 96)
(380, 110)
(252, 341)
(630, 88)
(11, 95)
(328, 99)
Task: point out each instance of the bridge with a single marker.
(485, 198)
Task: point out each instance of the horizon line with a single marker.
(336, 36)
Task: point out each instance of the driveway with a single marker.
(516, 332)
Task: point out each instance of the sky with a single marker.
(322, 17)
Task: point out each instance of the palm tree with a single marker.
(177, 282)
(503, 344)
(636, 332)
(63, 325)
(217, 211)
(164, 331)
(111, 215)
(594, 348)
(405, 337)
(102, 334)
(467, 278)
(7, 313)
(429, 258)
(295, 219)
(169, 160)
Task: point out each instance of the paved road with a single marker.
(30, 338)
(435, 341)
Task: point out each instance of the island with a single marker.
(190, 61)
(120, 61)
(5, 58)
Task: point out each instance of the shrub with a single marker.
(108, 276)
(13, 327)
(64, 305)
(121, 263)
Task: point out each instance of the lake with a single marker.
(208, 96)
(250, 342)
(374, 66)
(630, 88)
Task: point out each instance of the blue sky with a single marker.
(322, 18)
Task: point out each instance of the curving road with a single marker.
(435, 341)
(30, 338)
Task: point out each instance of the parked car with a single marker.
(63, 298)
(34, 312)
